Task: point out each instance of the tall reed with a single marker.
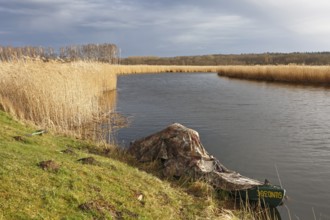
(282, 73)
(67, 97)
(62, 97)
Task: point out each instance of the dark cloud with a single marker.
(169, 28)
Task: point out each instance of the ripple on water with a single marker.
(250, 126)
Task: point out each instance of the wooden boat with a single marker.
(248, 190)
(181, 153)
(266, 195)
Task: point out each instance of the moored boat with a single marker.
(181, 153)
(265, 195)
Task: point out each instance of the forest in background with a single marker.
(317, 58)
(110, 53)
(107, 53)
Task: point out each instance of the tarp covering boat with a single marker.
(182, 154)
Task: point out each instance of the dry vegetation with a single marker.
(133, 69)
(61, 97)
(70, 97)
(67, 97)
(283, 73)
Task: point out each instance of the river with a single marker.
(254, 128)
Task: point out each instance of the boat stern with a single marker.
(265, 195)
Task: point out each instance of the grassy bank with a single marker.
(317, 75)
(70, 98)
(103, 190)
(62, 98)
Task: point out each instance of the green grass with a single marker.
(109, 190)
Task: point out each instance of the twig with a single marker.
(278, 176)
(313, 213)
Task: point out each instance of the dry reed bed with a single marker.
(67, 97)
(62, 97)
(136, 69)
(281, 73)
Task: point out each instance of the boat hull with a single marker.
(264, 195)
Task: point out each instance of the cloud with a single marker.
(304, 22)
(217, 27)
(155, 27)
(300, 16)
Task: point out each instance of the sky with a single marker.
(170, 27)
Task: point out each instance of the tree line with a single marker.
(92, 52)
(317, 58)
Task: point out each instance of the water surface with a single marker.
(251, 127)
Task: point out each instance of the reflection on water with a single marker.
(112, 120)
(108, 101)
(251, 127)
(107, 104)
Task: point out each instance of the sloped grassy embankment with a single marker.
(108, 189)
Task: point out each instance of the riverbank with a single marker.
(314, 75)
(67, 99)
(103, 189)
(46, 177)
